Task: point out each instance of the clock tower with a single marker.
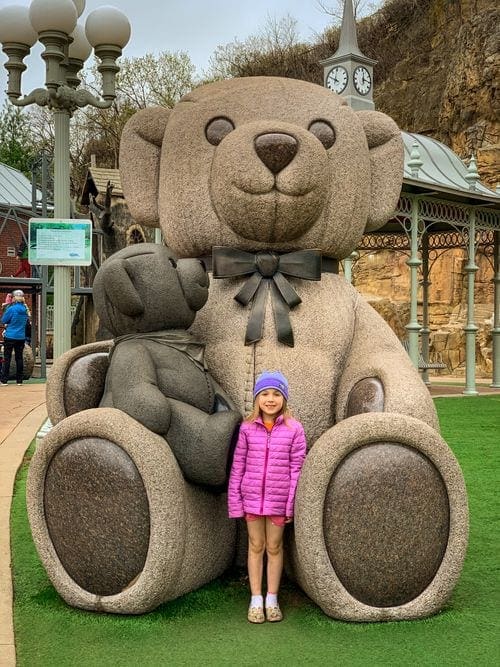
(348, 72)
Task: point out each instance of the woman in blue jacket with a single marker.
(15, 318)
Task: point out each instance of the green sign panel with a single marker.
(60, 242)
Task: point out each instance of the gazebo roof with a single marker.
(441, 171)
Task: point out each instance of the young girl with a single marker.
(266, 466)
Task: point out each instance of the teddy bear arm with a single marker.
(202, 443)
(222, 400)
(132, 383)
(76, 381)
(378, 375)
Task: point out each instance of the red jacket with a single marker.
(266, 468)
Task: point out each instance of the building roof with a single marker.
(97, 181)
(441, 169)
(15, 188)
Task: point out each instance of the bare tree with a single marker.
(274, 51)
(160, 80)
(149, 80)
(335, 8)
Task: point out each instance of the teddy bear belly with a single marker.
(322, 325)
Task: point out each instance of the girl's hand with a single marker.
(288, 519)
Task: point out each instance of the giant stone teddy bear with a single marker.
(271, 182)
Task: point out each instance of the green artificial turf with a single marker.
(209, 627)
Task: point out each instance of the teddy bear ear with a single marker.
(140, 149)
(386, 164)
(194, 282)
(120, 290)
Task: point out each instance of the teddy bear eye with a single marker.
(324, 132)
(217, 129)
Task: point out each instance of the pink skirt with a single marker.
(275, 520)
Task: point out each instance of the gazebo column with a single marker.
(348, 269)
(495, 332)
(470, 328)
(425, 331)
(348, 262)
(413, 327)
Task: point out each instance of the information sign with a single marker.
(60, 242)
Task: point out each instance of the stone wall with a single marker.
(384, 279)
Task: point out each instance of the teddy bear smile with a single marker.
(255, 191)
(277, 213)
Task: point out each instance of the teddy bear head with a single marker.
(145, 288)
(261, 163)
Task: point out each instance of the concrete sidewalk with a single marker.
(22, 412)
(449, 385)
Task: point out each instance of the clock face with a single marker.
(337, 79)
(362, 80)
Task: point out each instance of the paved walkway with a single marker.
(448, 385)
(22, 413)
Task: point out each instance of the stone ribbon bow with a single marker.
(268, 270)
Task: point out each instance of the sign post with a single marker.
(60, 243)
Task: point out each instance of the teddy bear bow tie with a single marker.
(268, 270)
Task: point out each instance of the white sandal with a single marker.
(274, 614)
(256, 615)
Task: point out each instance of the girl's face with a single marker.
(270, 402)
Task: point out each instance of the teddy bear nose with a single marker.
(276, 150)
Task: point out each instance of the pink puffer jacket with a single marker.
(266, 468)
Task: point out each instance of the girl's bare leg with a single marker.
(274, 550)
(256, 546)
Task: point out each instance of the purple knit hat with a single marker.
(271, 380)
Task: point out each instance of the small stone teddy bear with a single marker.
(125, 495)
(157, 374)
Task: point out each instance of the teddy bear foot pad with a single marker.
(384, 498)
(97, 512)
(116, 526)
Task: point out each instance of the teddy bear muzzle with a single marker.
(277, 178)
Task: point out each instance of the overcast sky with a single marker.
(194, 26)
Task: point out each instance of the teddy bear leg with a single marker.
(116, 526)
(381, 520)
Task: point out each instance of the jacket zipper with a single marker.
(265, 471)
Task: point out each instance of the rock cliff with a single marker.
(438, 74)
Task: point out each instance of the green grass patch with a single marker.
(209, 627)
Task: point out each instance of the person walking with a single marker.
(15, 319)
(267, 461)
(24, 265)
